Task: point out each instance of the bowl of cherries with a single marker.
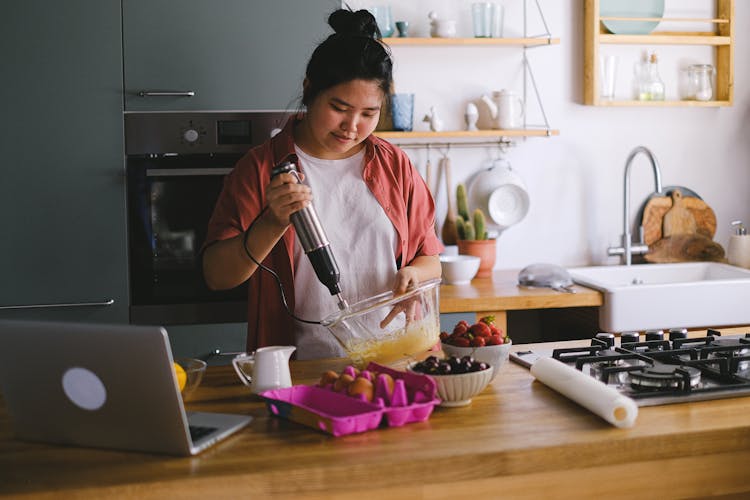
(483, 341)
(457, 379)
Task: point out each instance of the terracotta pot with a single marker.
(485, 250)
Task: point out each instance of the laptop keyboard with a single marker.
(197, 432)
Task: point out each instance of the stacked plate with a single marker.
(631, 8)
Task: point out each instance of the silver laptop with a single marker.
(106, 386)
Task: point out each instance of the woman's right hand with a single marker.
(285, 196)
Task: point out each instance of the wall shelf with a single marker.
(466, 134)
(666, 38)
(721, 39)
(664, 104)
(479, 137)
(494, 42)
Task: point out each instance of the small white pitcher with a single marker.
(506, 109)
(265, 369)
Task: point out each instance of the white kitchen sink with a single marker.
(663, 296)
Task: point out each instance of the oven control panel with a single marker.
(199, 133)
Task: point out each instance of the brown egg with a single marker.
(328, 377)
(389, 382)
(361, 386)
(342, 383)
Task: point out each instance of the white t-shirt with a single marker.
(363, 241)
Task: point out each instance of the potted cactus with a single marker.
(472, 234)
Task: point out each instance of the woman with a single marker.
(373, 205)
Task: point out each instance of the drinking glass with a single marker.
(608, 76)
(496, 21)
(481, 13)
(382, 15)
(402, 111)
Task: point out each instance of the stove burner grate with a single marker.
(661, 376)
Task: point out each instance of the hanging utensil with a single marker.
(428, 174)
(449, 233)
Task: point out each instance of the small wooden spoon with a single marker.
(449, 226)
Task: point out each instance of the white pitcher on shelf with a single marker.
(506, 109)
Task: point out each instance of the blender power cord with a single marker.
(273, 273)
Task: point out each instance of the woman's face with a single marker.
(340, 118)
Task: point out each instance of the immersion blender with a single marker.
(314, 241)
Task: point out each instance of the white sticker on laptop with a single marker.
(84, 388)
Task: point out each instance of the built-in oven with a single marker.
(176, 164)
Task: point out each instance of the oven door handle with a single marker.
(161, 172)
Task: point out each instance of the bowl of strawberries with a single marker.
(483, 341)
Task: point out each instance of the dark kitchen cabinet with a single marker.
(232, 54)
(62, 193)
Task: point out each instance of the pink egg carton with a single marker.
(413, 398)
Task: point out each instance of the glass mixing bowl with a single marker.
(387, 328)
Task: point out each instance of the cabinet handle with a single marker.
(108, 302)
(172, 93)
(162, 172)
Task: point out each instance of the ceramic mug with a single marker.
(510, 109)
(265, 369)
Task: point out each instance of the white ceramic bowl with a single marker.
(494, 355)
(459, 269)
(457, 390)
(444, 28)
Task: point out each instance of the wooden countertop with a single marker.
(517, 439)
(501, 292)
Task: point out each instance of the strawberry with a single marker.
(443, 335)
(494, 340)
(461, 342)
(480, 329)
(478, 342)
(495, 330)
(460, 328)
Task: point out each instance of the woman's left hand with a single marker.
(406, 277)
(420, 269)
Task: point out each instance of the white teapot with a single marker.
(506, 109)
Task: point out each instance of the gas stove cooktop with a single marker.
(656, 371)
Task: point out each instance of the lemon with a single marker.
(181, 376)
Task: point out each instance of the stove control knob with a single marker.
(607, 338)
(190, 135)
(629, 337)
(677, 333)
(654, 335)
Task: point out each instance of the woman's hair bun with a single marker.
(359, 23)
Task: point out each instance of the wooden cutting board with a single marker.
(657, 208)
(684, 248)
(678, 219)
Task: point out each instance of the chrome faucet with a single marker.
(628, 248)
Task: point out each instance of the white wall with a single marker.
(576, 179)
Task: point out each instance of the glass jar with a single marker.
(700, 77)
